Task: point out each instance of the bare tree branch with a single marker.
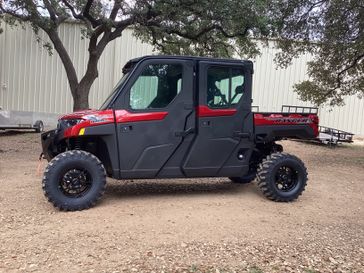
(51, 11)
(353, 64)
(86, 12)
(65, 58)
(115, 9)
(71, 8)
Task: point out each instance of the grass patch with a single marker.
(193, 268)
(351, 146)
(255, 269)
(354, 160)
(359, 159)
(308, 270)
(207, 269)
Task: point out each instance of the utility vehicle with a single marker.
(175, 117)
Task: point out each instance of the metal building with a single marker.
(31, 80)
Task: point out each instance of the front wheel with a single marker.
(282, 177)
(74, 180)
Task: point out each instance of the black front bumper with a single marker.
(49, 140)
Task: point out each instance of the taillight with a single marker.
(315, 124)
(314, 118)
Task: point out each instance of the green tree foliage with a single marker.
(333, 32)
(208, 27)
(195, 27)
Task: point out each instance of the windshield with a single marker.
(114, 91)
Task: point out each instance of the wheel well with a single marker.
(94, 145)
(261, 151)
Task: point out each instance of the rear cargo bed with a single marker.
(293, 122)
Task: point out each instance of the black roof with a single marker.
(193, 58)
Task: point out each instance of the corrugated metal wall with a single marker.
(31, 80)
(273, 87)
(34, 81)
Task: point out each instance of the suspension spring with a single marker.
(77, 144)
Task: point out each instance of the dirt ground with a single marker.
(189, 225)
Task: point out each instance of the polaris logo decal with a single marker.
(289, 119)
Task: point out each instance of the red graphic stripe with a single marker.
(204, 111)
(123, 116)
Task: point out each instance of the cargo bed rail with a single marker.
(299, 109)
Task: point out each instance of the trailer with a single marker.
(20, 120)
(334, 136)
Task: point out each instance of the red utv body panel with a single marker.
(91, 118)
(287, 119)
(123, 116)
(87, 118)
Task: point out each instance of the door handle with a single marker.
(205, 123)
(125, 129)
(185, 133)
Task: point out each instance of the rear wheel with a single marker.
(282, 177)
(74, 180)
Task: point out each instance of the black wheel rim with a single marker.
(286, 179)
(75, 182)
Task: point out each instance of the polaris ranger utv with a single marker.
(175, 117)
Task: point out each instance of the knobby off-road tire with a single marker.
(282, 177)
(74, 180)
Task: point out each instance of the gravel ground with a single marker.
(187, 225)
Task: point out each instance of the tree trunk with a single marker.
(80, 98)
(81, 92)
(81, 89)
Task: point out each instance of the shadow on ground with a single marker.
(180, 187)
(16, 132)
(325, 146)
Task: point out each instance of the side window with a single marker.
(237, 85)
(225, 86)
(156, 86)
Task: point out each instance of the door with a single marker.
(223, 143)
(156, 118)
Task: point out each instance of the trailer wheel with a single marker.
(74, 180)
(39, 126)
(282, 177)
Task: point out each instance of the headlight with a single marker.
(65, 123)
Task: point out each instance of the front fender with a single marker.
(50, 140)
